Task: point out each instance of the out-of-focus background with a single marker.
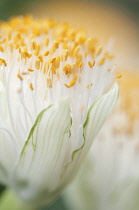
(116, 20)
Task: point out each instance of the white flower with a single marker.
(109, 180)
(53, 102)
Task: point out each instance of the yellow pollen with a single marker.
(58, 50)
(102, 62)
(2, 41)
(111, 56)
(37, 50)
(75, 51)
(31, 86)
(80, 64)
(46, 41)
(91, 64)
(49, 82)
(67, 69)
(119, 76)
(40, 58)
(46, 53)
(98, 50)
(34, 45)
(73, 81)
(37, 65)
(65, 55)
(88, 86)
(31, 70)
(1, 49)
(52, 60)
(53, 70)
(19, 76)
(2, 61)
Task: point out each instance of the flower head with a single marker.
(53, 101)
(110, 177)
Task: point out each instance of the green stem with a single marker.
(9, 201)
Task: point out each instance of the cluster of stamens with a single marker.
(52, 48)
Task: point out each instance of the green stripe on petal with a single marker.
(96, 116)
(42, 158)
(98, 113)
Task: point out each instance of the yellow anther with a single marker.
(80, 64)
(111, 56)
(73, 81)
(19, 76)
(29, 55)
(17, 46)
(65, 45)
(20, 51)
(24, 73)
(37, 50)
(56, 45)
(2, 61)
(91, 64)
(65, 55)
(25, 54)
(9, 36)
(37, 64)
(109, 69)
(81, 40)
(67, 69)
(52, 60)
(102, 62)
(45, 68)
(51, 23)
(40, 58)
(34, 45)
(31, 86)
(18, 38)
(45, 31)
(53, 70)
(56, 62)
(46, 41)
(31, 70)
(49, 82)
(89, 85)
(98, 50)
(107, 55)
(119, 76)
(2, 41)
(46, 53)
(36, 32)
(1, 49)
(76, 50)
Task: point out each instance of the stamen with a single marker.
(119, 76)
(73, 81)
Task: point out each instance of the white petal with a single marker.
(96, 116)
(98, 113)
(7, 156)
(41, 160)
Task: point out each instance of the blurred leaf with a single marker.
(2, 188)
(57, 205)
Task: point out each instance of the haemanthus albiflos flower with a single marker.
(54, 98)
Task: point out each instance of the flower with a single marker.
(54, 95)
(110, 177)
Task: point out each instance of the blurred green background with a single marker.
(10, 8)
(16, 7)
